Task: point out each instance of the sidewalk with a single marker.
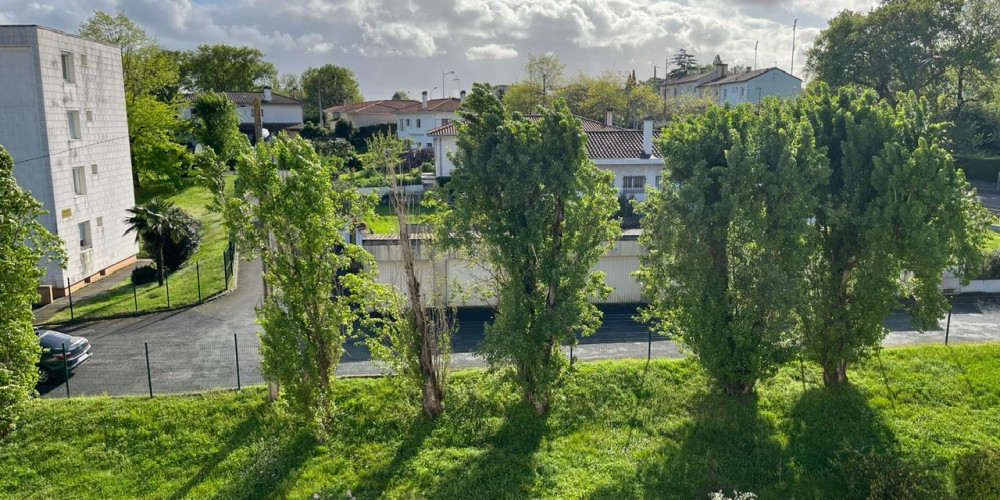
(46, 312)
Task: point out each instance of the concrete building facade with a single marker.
(62, 100)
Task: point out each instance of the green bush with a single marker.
(143, 274)
(885, 475)
(980, 169)
(977, 474)
(427, 167)
(991, 266)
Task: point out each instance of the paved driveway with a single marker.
(196, 348)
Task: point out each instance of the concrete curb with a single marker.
(139, 314)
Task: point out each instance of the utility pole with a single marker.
(755, 44)
(319, 95)
(443, 73)
(795, 26)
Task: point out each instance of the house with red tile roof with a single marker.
(368, 113)
(628, 153)
(414, 122)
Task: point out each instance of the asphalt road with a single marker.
(195, 349)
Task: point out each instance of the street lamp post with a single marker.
(443, 73)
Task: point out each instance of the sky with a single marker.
(407, 44)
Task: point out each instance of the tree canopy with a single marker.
(328, 85)
(217, 68)
(540, 234)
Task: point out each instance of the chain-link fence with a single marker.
(189, 285)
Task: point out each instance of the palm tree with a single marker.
(158, 222)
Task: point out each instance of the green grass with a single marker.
(385, 222)
(992, 241)
(615, 430)
(368, 178)
(183, 283)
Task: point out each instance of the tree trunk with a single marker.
(738, 388)
(835, 376)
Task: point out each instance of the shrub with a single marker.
(875, 474)
(991, 266)
(427, 167)
(143, 274)
(977, 474)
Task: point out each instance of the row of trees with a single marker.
(794, 228)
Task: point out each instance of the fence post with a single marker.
(166, 281)
(65, 369)
(571, 356)
(236, 346)
(197, 270)
(225, 269)
(149, 375)
(947, 328)
(135, 297)
(69, 290)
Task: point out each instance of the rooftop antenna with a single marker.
(795, 26)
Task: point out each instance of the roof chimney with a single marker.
(423, 96)
(647, 136)
(609, 117)
(461, 96)
(267, 94)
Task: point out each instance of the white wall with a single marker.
(272, 113)
(773, 83)
(418, 134)
(443, 146)
(363, 119)
(98, 89)
(650, 168)
(464, 283)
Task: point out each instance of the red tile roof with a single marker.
(446, 105)
(588, 126)
(246, 98)
(379, 106)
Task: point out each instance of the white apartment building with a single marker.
(62, 103)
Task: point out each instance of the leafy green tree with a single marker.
(591, 96)
(160, 223)
(150, 79)
(287, 83)
(728, 236)
(400, 95)
(326, 86)
(546, 71)
(24, 242)
(286, 211)
(540, 235)
(217, 68)
(217, 125)
(416, 331)
(523, 97)
(682, 63)
(893, 214)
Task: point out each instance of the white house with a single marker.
(62, 100)
(628, 153)
(752, 86)
(414, 122)
(690, 84)
(278, 112)
(364, 114)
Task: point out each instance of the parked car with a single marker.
(54, 361)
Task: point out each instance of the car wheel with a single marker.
(44, 375)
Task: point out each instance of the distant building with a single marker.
(721, 86)
(364, 114)
(629, 154)
(414, 122)
(278, 112)
(62, 100)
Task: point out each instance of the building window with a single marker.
(407, 122)
(100, 222)
(69, 76)
(79, 181)
(85, 240)
(430, 145)
(633, 184)
(83, 59)
(657, 182)
(401, 124)
(445, 121)
(93, 169)
(418, 122)
(90, 115)
(73, 121)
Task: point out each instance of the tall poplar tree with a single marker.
(728, 237)
(541, 231)
(893, 214)
(286, 211)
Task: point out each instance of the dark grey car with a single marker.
(55, 362)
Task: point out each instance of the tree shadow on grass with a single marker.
(506, 467)
(727, 446)
(378, 480)
(841, 447)
(278, 456)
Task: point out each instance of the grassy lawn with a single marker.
(385, 222)
(184, 282)
(992, 241)
(616, 430)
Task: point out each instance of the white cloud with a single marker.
(490, 51)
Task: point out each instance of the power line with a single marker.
(71, 149)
